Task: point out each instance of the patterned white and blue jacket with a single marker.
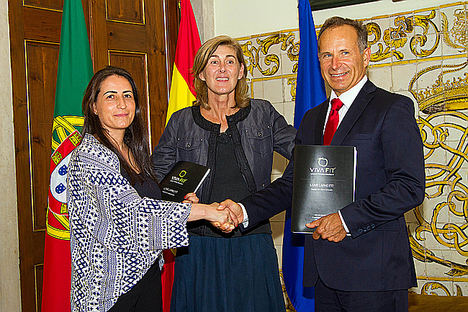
(115, 235)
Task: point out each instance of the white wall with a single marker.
(9, 258)
(244, 17)
(238, 18)
(204, 15)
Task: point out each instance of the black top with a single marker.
(235, 138)
(232, 176)
(145, 185)
(227, 180)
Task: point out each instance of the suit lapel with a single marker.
(362, 100)
(320, 123)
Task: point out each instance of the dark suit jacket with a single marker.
(389, 182)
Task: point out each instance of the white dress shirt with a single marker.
(347, 98)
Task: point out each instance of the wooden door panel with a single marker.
(127, 37)
(139, 35)
(45, 4)
(41, 58)
(128, 11)
(42, 24)
(161, 68)
(136, 64)
(34, 37)
(150, 38)
(38, 272)
(158, 97)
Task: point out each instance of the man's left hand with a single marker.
(329, 228)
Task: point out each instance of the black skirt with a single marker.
(145, 296)
(227, 274)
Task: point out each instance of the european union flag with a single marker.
(310, 92)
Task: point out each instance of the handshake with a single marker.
(225, 216)
(231, 214)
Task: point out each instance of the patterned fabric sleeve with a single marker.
(118, 217)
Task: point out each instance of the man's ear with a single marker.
(366, 55)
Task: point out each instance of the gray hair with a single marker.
(337, 21)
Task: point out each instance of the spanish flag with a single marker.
(75, 69)
(188, 42)
(182, 95)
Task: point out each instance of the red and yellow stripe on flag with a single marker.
(75, 69)
(188, 42)
(182, 95)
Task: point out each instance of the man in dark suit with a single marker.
(358, 259)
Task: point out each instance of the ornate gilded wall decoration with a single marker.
(258, 56)
(292, 82)
(443, 103)
(444, 130)
(406, 28)
(444, 94)
(438, 289)
(458, 30)
(393, 39)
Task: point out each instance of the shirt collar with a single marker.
(349, 96)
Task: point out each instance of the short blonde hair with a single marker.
(201, 59)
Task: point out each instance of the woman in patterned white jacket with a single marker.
(118, 224)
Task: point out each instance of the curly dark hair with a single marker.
(135, 137)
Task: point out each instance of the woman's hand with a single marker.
(191, 198)
(218, 218)
(222, 220)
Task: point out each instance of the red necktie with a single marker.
(332, 122)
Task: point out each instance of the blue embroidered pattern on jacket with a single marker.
(115, 235)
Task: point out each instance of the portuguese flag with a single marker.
(75, 69)
(182, 95)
